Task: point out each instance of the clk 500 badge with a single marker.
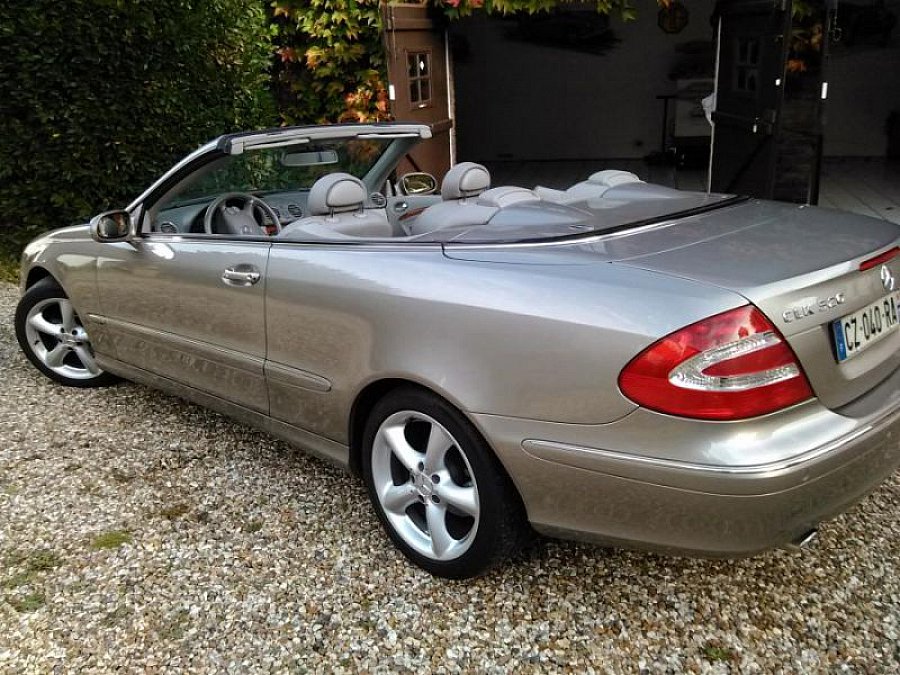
(812, 306)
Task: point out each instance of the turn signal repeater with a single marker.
(730, 366)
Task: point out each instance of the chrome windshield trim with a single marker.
(235, 145)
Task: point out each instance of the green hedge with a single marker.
(97, 97)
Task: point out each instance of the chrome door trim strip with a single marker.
(553, 451)
(296, 377)
(223, 355)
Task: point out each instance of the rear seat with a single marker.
(597, 185)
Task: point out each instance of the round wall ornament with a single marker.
(672, 17)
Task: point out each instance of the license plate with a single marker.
(857, 332)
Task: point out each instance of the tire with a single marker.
(54, 340)
(464, 523)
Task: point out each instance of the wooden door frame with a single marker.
(413, 17)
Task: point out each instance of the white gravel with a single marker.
(243, 555)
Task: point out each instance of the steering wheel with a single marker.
(238, 220)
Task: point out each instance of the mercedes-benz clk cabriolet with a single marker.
(616, 361)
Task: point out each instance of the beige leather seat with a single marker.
(337, 210)
(462, 184)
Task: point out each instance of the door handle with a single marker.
(242, 275)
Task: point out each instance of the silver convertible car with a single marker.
(616, 361)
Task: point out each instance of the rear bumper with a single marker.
(734, 506)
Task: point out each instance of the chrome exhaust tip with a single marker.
(804, 540)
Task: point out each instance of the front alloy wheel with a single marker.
(437, 487)
(54, 339)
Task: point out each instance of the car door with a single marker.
(184, 297)
(190, 310)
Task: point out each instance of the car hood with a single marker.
(70, 233)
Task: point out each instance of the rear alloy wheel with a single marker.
(54, 339)
(437, 488)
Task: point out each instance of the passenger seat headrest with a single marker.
(466, 179)
(336, 193)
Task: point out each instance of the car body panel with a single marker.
(167, 309)
(717, 489)
(511, 340)
(777, 256)
(335, 453)
(527, 340)
(811, 259)
(69, 256)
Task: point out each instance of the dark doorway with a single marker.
(554, 97)
(861, 170)
(769, 99)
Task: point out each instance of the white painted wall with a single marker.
(536, 102)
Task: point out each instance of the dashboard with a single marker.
(288, 206)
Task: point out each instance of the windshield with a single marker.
(291, 168)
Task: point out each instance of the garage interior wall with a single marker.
(516, 100)
(521, 101)
(863, 89)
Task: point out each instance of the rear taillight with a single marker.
(730, 366)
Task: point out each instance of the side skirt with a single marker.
(324, 448)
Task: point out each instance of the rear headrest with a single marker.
(335, 193)
(613, 177)
(551, 194)
(506, 196)
(466, 179)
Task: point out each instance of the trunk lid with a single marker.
(801, 266)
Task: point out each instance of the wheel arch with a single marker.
(376, 390)
(362, 406)
(38, 273)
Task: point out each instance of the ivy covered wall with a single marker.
(329, 64)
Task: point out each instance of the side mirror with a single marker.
(111, 226)
(417, 183)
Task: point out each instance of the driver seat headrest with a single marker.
(336, 193)
(466, 179)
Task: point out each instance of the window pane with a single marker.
(751, 80)
(414, 92)
(424, 66)
(754, 52)
(425, 89)
(411, 61)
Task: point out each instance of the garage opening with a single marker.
(861, 171)
(551, 98)
(808, 108)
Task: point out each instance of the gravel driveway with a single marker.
(141, 533)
